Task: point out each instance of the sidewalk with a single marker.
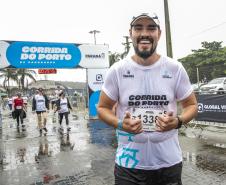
(86, 155)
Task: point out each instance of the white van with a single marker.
(215, 86)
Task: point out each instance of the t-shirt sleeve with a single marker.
(183, 86)
(110, 86)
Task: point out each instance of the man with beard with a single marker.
(147, 87)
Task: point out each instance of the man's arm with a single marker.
(189, 108)
(106, 114)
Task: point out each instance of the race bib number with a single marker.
(148, 117)
(18, 107)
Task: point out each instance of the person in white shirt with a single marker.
(62, 106)
(147, 87)
(40, 104)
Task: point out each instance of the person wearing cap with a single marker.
(40, 104)
(19, 110)
(147, 87)
(62, 106)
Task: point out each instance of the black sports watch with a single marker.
(180, 122)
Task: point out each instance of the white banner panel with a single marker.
(96, 78)
(95, 82)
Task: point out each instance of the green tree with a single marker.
(114, 57)
(24, 74)
(210, 60)
(8, 74)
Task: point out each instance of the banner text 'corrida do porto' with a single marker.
(23, 54)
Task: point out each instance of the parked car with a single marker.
(196, 87)
(215, 86)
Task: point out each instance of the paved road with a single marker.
(86, 155)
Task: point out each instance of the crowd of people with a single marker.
(40, 105)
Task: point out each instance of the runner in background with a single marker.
(19, 108)
(62, 106)
(40, 104)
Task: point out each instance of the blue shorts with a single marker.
(163, 176)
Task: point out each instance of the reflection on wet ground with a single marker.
(85, 156)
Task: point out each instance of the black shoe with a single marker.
(23, 129)
(45, 129)
(40, 131)
(69, 129)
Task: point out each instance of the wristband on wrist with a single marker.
(120, 125)
(180, 122)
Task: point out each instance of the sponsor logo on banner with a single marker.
(47, 71)
(96, 78)
(99, 79)
(200, 107)
(102, 56)
(211, 108)
(94, 56)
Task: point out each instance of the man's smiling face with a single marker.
(145, 35)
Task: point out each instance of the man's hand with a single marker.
(131, 125)
(166, 122)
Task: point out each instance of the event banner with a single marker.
(20, 54)
(211, 108)
(95, 82)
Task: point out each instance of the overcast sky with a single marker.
(192, 21)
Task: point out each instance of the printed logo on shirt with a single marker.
(63, 103)
(166, 74)
(40, 101)
(128, 75)
(148, 100)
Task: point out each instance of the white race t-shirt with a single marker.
(40, 103)
(63, 105)
(155, 87)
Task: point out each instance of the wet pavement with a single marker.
(85, 156)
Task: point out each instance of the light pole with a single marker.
(94, 32)
(168, 33)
